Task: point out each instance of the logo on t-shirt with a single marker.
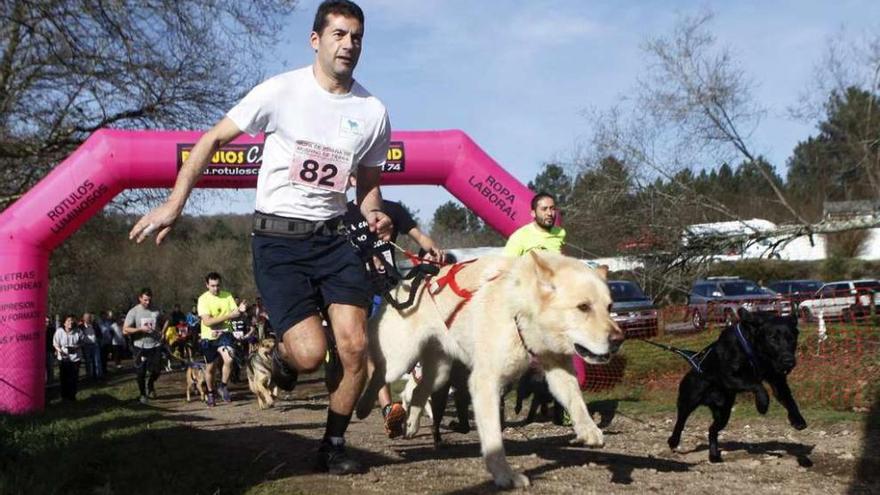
(350, 127)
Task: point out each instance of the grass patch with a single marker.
(106, 443)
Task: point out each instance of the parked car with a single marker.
(795, 291)
(844, 299)
(717, 299)
(633, 311)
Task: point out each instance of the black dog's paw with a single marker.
(715, 458)
(459, 427)
(797, 422)
(673, 442)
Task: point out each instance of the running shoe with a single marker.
(283, 376)
(395, 419)
(210, 400)
(333, 459)
(224, 392)
(144, 400)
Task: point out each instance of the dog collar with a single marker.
(521, 339)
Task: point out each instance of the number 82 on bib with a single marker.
(320, 166)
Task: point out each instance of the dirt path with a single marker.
(760, 457)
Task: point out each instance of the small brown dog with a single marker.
(259, 373)
(195, 380)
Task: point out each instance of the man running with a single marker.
(217, 309)
(321, 126)
(142, 324)
(541, 233)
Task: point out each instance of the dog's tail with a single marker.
(694, 358)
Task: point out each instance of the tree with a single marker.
(71, 67)
(553, 180)
(843, 160)
(601, 201)
(454, 225)
(691, 110)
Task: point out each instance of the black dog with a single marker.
(757, 349)
(533, 384)
(458, 377)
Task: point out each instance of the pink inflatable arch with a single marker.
(110, 161)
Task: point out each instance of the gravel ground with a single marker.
(760, 455)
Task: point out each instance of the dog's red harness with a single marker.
(448, 280)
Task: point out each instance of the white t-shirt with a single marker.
(314, 141)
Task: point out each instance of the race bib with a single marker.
(320, 166)
(148, 323)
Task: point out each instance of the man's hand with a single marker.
(159, 219)
(380, 224)
(436, 254)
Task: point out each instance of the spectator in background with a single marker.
(68, 341)
(91, 346)
(105, 323)
(142, 325)
(177, 316)
(194, 325)
(120, 346)
(50, 351)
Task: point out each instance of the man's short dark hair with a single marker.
(344, 8)
(213, 276)
(145, 292)
(541, 195)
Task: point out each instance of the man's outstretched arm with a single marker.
(161, 218)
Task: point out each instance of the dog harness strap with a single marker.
(454, 313)
(747, 348)
(449, 279)
(695, 359)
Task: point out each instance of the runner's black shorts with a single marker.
(211, 348)
(296, 276)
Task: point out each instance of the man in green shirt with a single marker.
(217, 309)
(541, 233)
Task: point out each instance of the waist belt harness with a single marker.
(296, 228)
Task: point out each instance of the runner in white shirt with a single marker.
(321, 126)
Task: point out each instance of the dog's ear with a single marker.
(745, 315)
(544, 272)
(602, 270)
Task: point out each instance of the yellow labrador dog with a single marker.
(542, 305)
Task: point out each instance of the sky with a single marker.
(520, 76)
